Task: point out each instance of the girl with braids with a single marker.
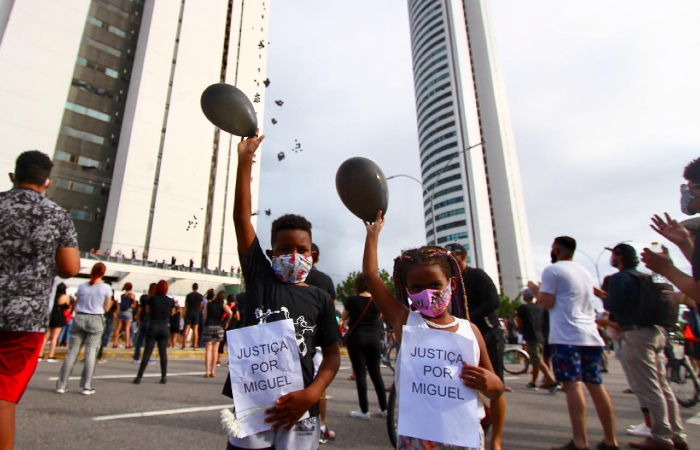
(430, 277)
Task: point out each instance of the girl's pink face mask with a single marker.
(431, 302)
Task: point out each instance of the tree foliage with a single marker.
(508, 306)
(346, 288)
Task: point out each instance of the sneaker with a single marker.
(554, 389)
(603, 446)
(381, 414)
(88, 391)
(329, 434)
(52, 360)
(137, 380)
(136, 361)
(640, 430)
(151, 361)
(532, 387)
(101, 361)
(322, 439)
(359, 415)
(61, 391)
(41, 359)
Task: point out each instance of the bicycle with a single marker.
(516, 361)
(389, 349)
(680, 375)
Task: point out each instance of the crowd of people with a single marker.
(434, 289)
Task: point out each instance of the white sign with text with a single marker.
(434, 403)
(264, 365)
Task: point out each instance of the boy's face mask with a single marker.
(432, 302)
(292, 268)
(686, 197)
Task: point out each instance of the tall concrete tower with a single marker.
(111, 89)
(472, 190)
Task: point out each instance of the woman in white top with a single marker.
(94, 298)
(428, 275)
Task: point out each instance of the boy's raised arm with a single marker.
(245, 233)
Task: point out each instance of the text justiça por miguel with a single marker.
(439, 372)
(264, 367)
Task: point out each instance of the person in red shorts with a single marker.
(37, 242)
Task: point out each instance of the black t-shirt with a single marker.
(531, 315)
(696, 256)
(482, 298)
(321, 281)
(143, 301)
(161, 307)
(268, 300)
(370, 323)
(193, 302)
(215, 314)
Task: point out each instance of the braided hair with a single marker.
(431, 255)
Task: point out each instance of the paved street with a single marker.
(71, 421)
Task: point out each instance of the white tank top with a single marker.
(465, 329)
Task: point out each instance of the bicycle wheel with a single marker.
(683, 381)
(392, 418)
(515, 361)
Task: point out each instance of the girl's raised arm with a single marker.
(396, 313)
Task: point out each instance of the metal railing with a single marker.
(159, 265)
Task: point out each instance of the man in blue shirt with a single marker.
(643, 351)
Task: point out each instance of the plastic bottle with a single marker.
(656, 248)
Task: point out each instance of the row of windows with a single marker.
(437, 130)
(425, 42)
(449, 226)
(99, 91)
(442, 181)
(80, 187)
(416, 22)
(83, 135)
(434, 111)
(440, 139)
(435, 81)
(426, 28)
(420, 64)
(88, 112)
(455, 237)
(438, 172)
(413, 6)
(114, 9)
(100, 68)
(441, 193)
(84, 215)
(438, 161)
(437, 61)
(423, 117)
(444, 203)
(454, 212)
(104, 47)
(430, 94)
(111, 28)
(434, 44)
(438, 150)
(81, 160)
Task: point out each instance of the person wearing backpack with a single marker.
(631, 297)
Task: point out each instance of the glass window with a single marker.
(63, 156)
(111, 73)
(82, 215)
(81, 61)
(104, 47)
(96, 22)
(59, 182)
(82, 135)
(84, 188)
(88, 112)
(117, 31)
(454, 237)
(454, 212)
(88, 162)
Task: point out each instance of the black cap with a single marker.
(456, 249)
(623, 249)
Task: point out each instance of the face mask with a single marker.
(553, 256)
(431, 302)
(686, 198)
(292, 268)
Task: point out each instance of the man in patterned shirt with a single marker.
(37, 242)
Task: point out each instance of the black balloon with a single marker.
(362, 187)
(228, 108)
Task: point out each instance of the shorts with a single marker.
(303, 436)
(213, 334)
(19, 355)
(125, 316)
(535, 349)
(495, 343)
(577, 363)
(192, 318)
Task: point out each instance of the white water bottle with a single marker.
(657, 248)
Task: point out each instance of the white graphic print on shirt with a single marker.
(300, 325)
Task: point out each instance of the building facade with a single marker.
(111, 89)
(472, 189)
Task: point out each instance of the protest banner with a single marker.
(264, 365)
(434, 403)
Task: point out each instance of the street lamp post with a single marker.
(432, 191)
(596, 262)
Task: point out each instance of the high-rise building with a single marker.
(472, 190)
(111, 89)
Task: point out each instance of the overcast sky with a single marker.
(604, 104)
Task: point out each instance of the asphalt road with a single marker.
(46, 420)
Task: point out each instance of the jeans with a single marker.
(143, 332)
(65, 333)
